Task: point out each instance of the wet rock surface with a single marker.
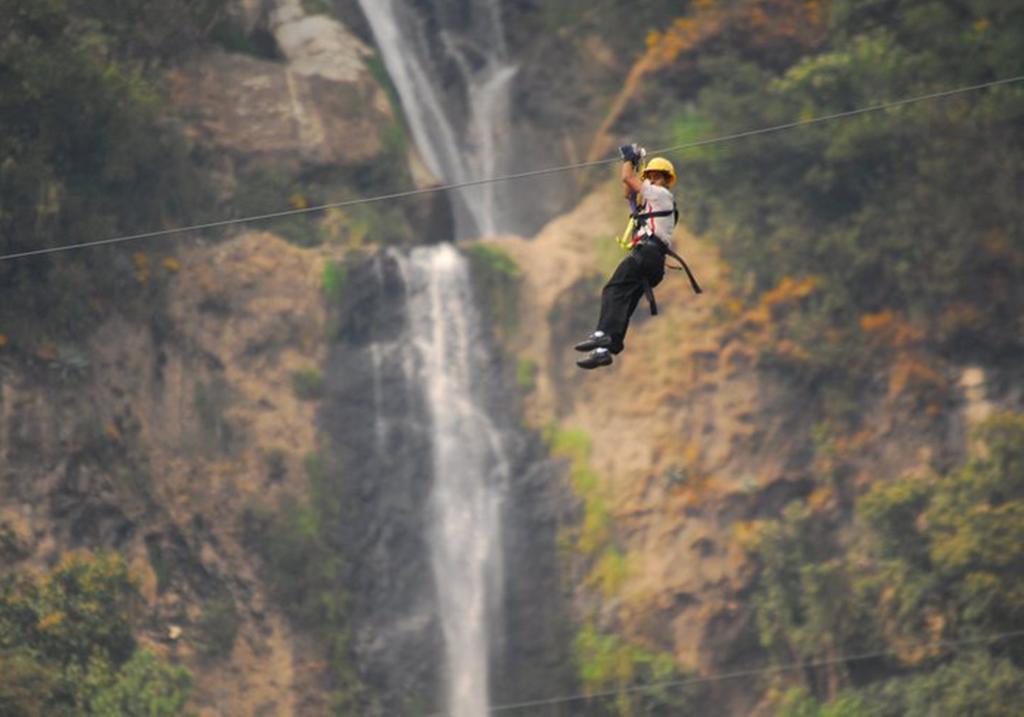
(158, 447)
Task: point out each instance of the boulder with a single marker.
(320, 106)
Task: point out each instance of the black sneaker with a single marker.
(596, 359)
(597, 340)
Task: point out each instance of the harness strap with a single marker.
(649, 293)
(665, 248)
(648, 215)
(639, 220)
(685, 267)
(644, 216)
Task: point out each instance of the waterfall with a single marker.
(448, 62)
(465, 138)
(456, 599)
(470, 468)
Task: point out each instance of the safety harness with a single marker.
(639, 219)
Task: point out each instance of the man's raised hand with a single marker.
(632, 153)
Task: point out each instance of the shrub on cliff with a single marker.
(304, 567)
(66, 646)
(932, 582)
(497, 279)
(85, 152)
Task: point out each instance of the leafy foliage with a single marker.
(803, 606)
(218, 626)
(332, 280)
(608, 663)
(526, 374)
(594, 535)
(66, 646)
(915, 210)
(497, 278)
(308, 384)
(304, 569)
(144, 686)
(938, 559)
(84, 151)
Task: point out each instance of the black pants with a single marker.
(623, 291)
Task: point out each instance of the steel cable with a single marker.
(752, 672)
(509, 177)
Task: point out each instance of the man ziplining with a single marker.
(648, 237)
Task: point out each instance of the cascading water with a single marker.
(470, 468)
(447, 616)
(462, 139)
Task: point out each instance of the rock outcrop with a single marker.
(319, 103)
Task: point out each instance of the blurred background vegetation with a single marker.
(89, 150)
(914, 213)
(66, 645)
(933, 560)
(894, 237)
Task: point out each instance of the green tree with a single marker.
(609, 664)
(931, 579)
(916, 209)
(85, 150)
(972, 684)
(78, 612)
(807, 609)
(25, 686)
(954, 545)
(67, 648)
(144, 685)
(305, 567)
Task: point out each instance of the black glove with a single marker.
(630, 153)
(633, 154)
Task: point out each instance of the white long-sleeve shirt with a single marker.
(653, 198)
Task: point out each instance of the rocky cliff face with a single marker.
(297, 116)
(698, 431)
(180, 415)
(159, 444)
(156, 445)
(317, 103)
(176, 422)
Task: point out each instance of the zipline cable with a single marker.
(752, 672)
(510, 177)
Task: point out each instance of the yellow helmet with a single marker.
(660, 164)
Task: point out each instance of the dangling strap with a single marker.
(685, 267)
(649, 293)
(648, 290)
(682, 263)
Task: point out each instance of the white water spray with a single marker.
(460, 141)
(469, 465)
